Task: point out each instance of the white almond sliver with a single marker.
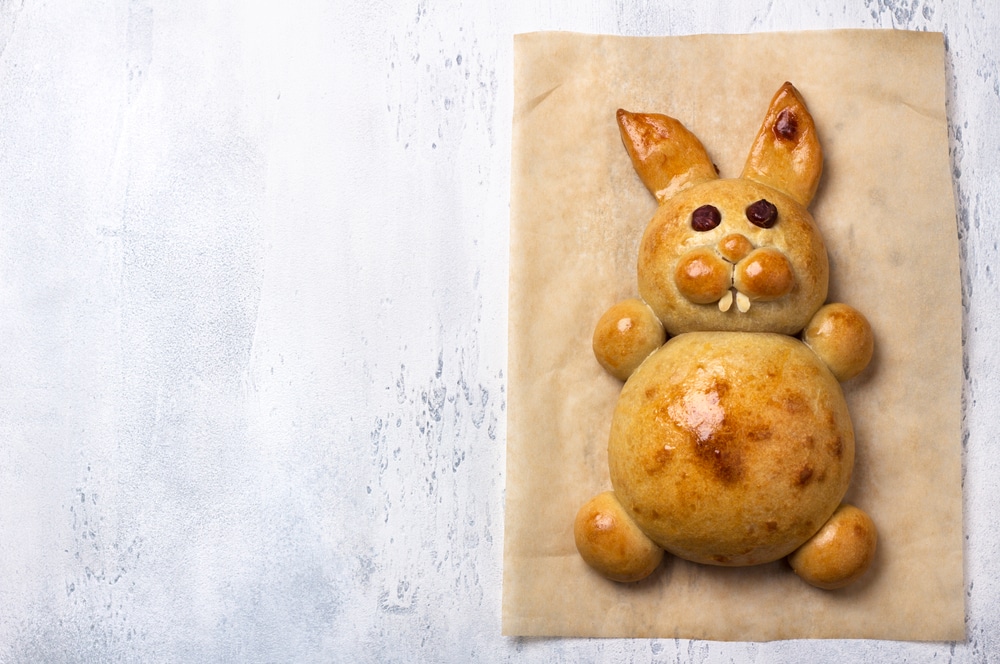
(726, 301)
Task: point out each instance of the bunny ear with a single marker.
(667, 157)
(786, 154)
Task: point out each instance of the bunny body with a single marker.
(731, 443)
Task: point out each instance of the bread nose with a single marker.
(735, 247)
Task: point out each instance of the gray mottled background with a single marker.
(253, 325)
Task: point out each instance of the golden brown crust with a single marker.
(665, 154)
(798, 264)
(731, 448)
(734, 247)
(702, 276)
(626, 335)
(764, 275)
(731, 444)
(840, 553)
(786, 153)
(843, 338)
(610, 542)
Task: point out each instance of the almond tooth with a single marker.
(726, 302)
(742, 302)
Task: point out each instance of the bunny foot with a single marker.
(840, 552)
(611, 543)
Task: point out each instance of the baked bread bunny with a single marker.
(731, 443)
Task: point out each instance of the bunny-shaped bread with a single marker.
(731, 443)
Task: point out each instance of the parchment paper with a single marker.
(886, 208)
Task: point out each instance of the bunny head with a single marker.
(738, 254)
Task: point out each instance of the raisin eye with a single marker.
(787, 125)
(762, 213)
(705, 218)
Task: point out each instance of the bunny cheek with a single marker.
(764, 275)
(702, 277)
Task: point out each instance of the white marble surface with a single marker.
(253, 325)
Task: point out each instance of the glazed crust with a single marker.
(610, 542)
(843, 338)
(731, 448)
(783, 303)
(840, 553)
(786, 153)
(626, 335)
(666, 156)
(731, 443)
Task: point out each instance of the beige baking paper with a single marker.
(886, 208)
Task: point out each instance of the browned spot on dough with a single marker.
(658, 461)
(859, 531)
(804, 475)
(758, 434)
(771, 526)
(810, 442)
(720, 559)
(714, 431)
(837, 447)
(794, 404)
(653, 514)
(650, 393)
(722, 452)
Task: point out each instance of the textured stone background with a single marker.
(253, 325)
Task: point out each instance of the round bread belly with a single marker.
(731, 448)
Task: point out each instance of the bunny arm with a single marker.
(842, 338)
(626, 335)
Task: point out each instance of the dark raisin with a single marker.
(787, 125)
(762, 213)
(705, 218)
